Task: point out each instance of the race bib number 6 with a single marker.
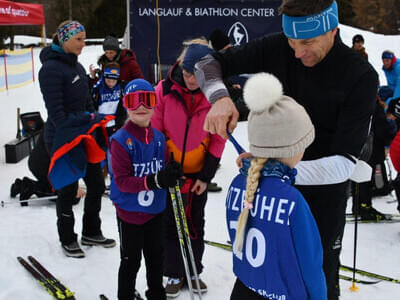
(146, 198)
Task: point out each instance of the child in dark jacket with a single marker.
(107, 97)
(277, 251)
(138, 190)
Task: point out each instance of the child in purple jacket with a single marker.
(138, 191)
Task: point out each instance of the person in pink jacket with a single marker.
(180, 115)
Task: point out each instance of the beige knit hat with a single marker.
(278, 126)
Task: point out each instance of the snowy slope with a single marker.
(32, 230)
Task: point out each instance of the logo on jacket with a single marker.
(129, 143)
(238, 34)
(75, 79)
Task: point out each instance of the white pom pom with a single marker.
(261, 91)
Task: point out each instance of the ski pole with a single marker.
(235, 143)
(30, 200)
(356, 195)
(187, 237)
(181, 240)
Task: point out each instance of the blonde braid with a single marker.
(251, 187)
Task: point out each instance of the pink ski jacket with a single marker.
(180, 115)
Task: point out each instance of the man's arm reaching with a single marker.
(223, 113)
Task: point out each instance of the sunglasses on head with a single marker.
(132, 101)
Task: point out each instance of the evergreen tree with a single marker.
(379, 16)
(109, 17)
(346, 12)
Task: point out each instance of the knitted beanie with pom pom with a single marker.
(278, 127)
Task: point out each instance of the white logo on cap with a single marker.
(131, 88)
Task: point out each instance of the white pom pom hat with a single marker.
(278, 126)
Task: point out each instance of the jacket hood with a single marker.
(56, 52)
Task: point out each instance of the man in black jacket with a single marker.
(336, 86)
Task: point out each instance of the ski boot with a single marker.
(369, 213)
(213, 187)
(27, 190)
(15, 188)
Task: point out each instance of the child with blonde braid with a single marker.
(277, 251)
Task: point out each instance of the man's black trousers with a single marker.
(328, 206)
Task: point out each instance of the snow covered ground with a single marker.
(32, 230)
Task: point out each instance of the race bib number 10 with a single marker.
(253, 236)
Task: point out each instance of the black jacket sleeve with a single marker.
(120, 115)
(209, 168)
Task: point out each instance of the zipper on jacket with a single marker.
(146, 135)
(185, 139)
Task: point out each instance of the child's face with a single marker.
(141, 116)
(110, 82)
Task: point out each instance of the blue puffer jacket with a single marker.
(393, 80)
(64, 86)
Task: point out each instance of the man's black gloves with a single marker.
(165, 178)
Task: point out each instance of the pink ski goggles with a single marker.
(132, 101)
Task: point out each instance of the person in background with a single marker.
(289, 251)
(383, 130)
(107, 96)
(126, 58)
(336, 86)
(38, 164)
(394, 150)
(65, 90)
(140, 226)
(358, 45)
(391, 68)
(180, 114)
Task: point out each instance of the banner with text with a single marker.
(15, 13)
(180, 20)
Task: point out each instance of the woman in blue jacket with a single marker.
(65, 89)
(277, 251)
